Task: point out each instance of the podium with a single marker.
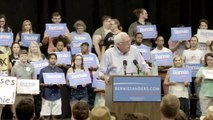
(129, 94)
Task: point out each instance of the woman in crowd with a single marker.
(60, 43)
(34, 55)
(210, 47)
(26, 29)
(13, 58)
(109, 40)
(80, 34)
(34, 52)
(178, 89)
(78, 93)
(15, 48)
(4, 27)
(203, 76)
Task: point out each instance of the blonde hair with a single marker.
(175, 57)
(100, 113)
(31, 55)
(23, 26)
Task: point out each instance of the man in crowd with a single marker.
(193, 55)
(51, 95)
(22, 70)
(25, 110)
(47, 40)
(100, 33)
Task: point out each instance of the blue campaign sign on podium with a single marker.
(136, 88)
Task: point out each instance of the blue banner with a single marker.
(85, 37)
(163, 59)
(54, 78)
(63, 58)
(194, 68)
(26, 39)
(79, 78)
(39, 65)
(90, 60)
(54, 30)
(135, 88)
(181, 33)
(145, 51)
(180, 75)
(6, 39)
(76, 46)
(148, 31)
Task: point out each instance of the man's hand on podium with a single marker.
(105, 78)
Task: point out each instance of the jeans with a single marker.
(78, 96)
(198, 110)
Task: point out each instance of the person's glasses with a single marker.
(56, 18)
(78, 59)
(2, 21)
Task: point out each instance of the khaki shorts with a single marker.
(50, 107)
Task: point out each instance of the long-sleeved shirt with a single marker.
(112, 62)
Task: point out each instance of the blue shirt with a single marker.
(53, 92)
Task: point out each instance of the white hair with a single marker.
(120, 37)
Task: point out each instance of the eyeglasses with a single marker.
(78, 59)
(2, 21)
(56, 18)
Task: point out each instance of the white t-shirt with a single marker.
(179, 90)
(160, 51)
(193, 56)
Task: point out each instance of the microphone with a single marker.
(124, 65)
(136, 64)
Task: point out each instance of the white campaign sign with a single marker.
(27, 86)
(208, 74)
(7, 90)
(204, 35)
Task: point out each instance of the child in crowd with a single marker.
(178, 89)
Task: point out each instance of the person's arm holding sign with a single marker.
(167, 80)
(199, 77)
(70, 70)
(42, 84)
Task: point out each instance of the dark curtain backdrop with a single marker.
(163, 13)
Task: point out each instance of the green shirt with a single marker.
(206, 84)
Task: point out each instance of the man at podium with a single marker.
(122, 59)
